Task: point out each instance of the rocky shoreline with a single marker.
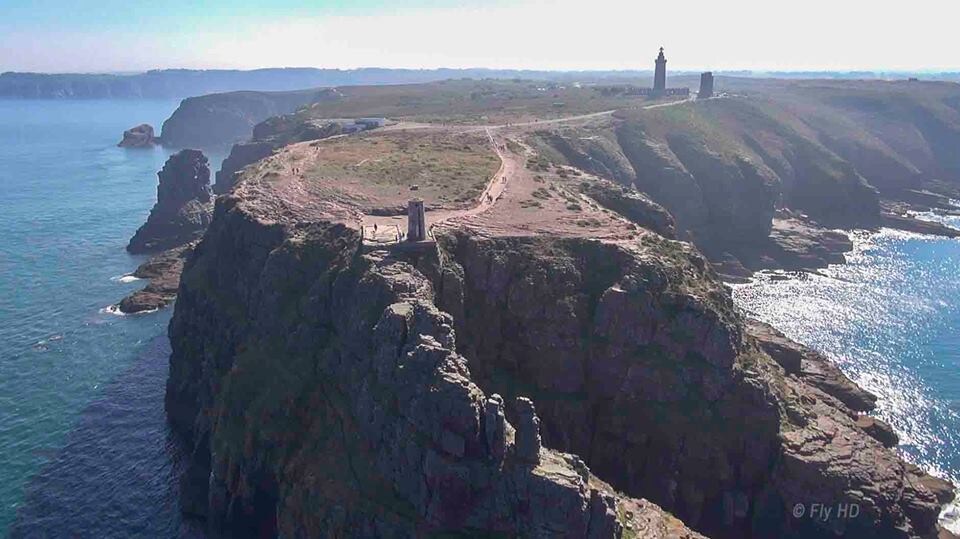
(179, 218)
(163, 271)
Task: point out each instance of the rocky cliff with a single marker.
(184, 205)
(327, 397)
(639, 363)
(334, 391)
(218, 120)
(520, 377)
(758, 180)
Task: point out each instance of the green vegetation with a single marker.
(468, 101)
(387, 168)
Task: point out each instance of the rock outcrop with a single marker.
(326, 397)
(268, 136)
(637, 360)
(241, 155)
(331, 392)
(140, 136)
(163, 271)
(184, 205)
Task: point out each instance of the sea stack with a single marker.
(140, 136)
(184, 205)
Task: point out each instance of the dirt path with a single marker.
(391, 229)
(513, 177)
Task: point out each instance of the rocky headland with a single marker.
(219, 120)
(183, 210)
(550, 363)
(140, 136)
(761, 180)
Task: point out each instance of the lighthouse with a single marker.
(660, 75)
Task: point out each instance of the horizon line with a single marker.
(686, 70)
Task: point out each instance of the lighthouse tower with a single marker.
(660, 75)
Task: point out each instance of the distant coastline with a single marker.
(180, 83)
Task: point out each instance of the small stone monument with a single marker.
(706, 85)
(416, 221)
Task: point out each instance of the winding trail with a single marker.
(387, 230)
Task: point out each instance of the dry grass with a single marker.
(469, 101)
(385, 169)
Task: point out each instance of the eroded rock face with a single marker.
(184, 205)
(163, 272)
(140, 136)
(332, 391)
(631, 204)
(241, 155)
(637, 361)
(327, 391)
(268, 136)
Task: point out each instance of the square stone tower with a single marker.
(416, 221)
(706, 85)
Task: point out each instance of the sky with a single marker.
(124, 35)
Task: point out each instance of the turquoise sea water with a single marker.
(84, 450)
(890, 317)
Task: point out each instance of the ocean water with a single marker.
(84, 449)
(890, 318)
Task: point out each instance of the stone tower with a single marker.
(660, 76)
(416, 221)
(706, 85)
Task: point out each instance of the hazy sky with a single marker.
(115, 35)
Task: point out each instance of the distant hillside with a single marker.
(222, 119)
(179, 83)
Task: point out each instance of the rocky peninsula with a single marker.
(560, 357)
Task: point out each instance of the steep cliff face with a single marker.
(638, 362)
(327, 398)
(184, 205)
(241, 155)
(757, 181)
(333, 392)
